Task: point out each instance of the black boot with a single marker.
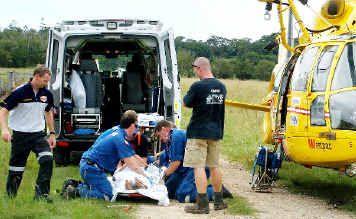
(43, 181)
(200, 207)
(13, 183)
(218, 201)
(40, 196)
(226, 193)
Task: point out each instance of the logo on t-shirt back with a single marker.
(215, 98)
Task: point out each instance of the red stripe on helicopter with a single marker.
(302, 111)
(298, 110)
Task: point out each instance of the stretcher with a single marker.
(124, 184)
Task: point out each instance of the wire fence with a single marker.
(11, 80)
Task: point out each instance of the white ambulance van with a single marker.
(100, 69)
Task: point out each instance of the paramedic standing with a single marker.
(205, 129)
(28, 108)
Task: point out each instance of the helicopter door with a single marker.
(342, 105)
(319, 137)
(297, 106)
(297, 116)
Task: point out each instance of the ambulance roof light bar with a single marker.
(110, 24)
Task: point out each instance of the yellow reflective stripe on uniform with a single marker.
(16, 169)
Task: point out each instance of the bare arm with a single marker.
(172, 167)
(5, 133)
(50, 125)
(134, 165)
(142, 161)
(49, 120)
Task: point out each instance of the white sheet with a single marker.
(155, 185)
(78, 90)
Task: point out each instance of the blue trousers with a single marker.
(181, 186)
(96, 184)
(172, 184)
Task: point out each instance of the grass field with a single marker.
(18, 70)
(242, 135)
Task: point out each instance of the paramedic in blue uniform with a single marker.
(104, 157)
(180, 181)
(139, 144)
(27, 109)
(173, 143)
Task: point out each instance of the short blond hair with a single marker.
(41, 70)
(203, 63)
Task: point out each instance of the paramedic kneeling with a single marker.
(104, 156)
(179, 181)
(30, 106)
(173, 145)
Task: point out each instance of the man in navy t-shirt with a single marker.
(104, 156)
(205, 129)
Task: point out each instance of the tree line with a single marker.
(231, 58)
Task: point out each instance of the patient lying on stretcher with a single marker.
(125, 182)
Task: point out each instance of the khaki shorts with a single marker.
(201, 153)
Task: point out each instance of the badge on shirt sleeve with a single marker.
(43, 99)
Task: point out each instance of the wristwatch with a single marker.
(52, 133)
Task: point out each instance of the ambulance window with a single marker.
(302, 69)
(345, 72)
(54, 59)
(322, 70)
(317, 114)
(343, 110)
(168, 59)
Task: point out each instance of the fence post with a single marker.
(11, 82)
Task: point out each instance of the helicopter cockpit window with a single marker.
(343, 110)
(302, 69)
(345, 73)
(317, 114)
(322, 70)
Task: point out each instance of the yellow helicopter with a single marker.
(311, 106)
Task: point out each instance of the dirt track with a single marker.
(279, 204)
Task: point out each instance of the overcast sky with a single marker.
(197, 19)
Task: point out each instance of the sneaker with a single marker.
(68, 182)
(70, 192)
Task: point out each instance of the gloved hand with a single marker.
(163, 172)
